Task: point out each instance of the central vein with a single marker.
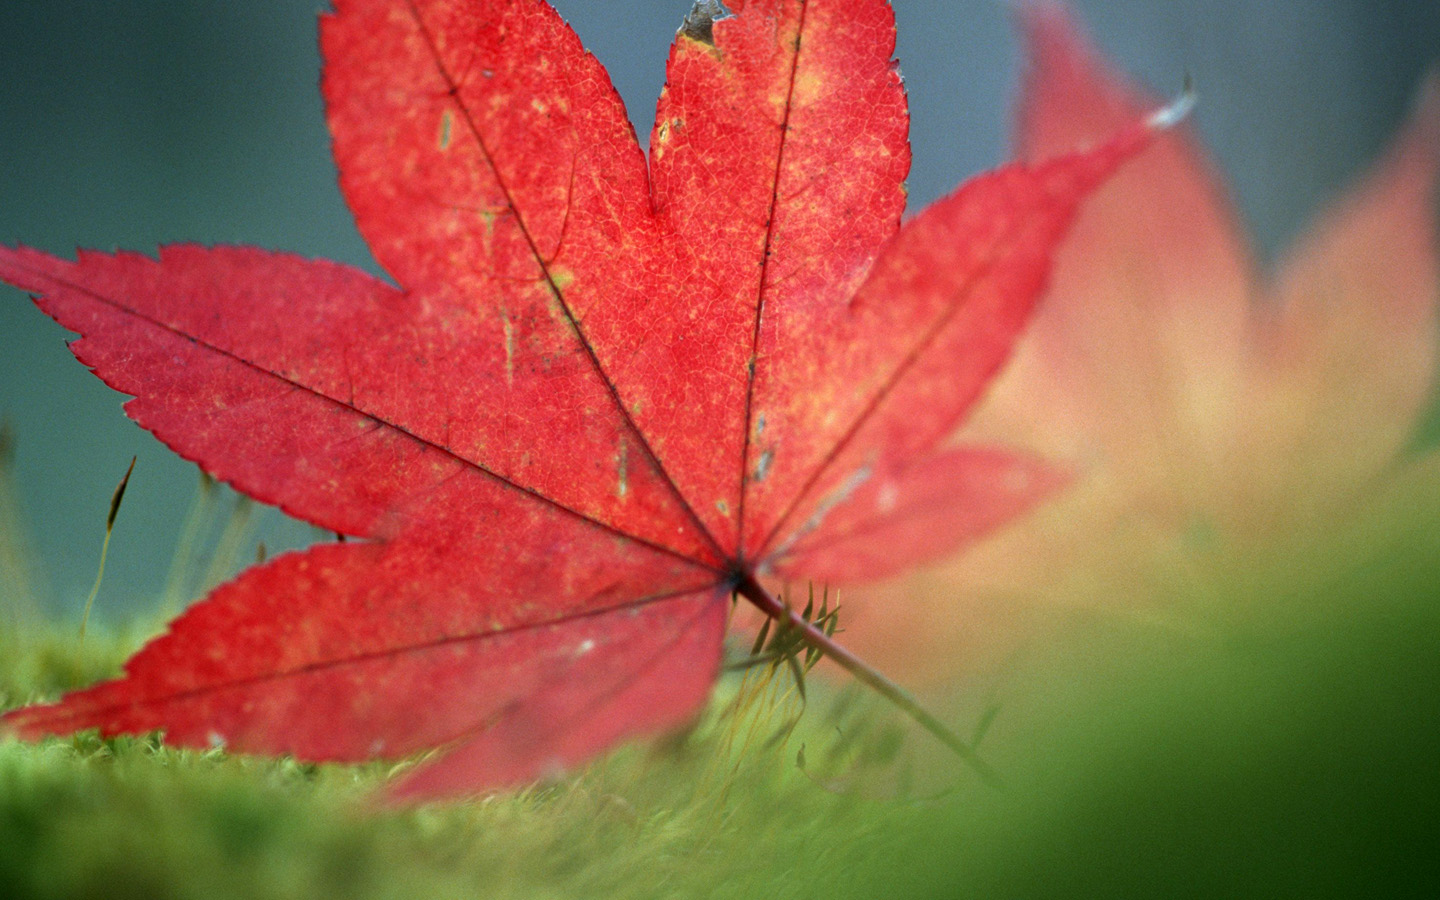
(452, 87)
(764, 266)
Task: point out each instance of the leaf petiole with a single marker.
(816, 637)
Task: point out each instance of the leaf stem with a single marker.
(752, 590)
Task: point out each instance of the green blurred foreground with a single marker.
(1289, 747)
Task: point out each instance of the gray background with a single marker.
(128, 124)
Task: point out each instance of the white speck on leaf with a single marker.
(889, 497)
(762, 466)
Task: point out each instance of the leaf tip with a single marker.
(119, 496)
(1177, 110)
(699, 22)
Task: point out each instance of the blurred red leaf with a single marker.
(605, 397)
(1220, 419)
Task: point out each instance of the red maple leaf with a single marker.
(605, 398)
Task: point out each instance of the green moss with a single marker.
(1290, 747)
(1292, 751)
(723, 811)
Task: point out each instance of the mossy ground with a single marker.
(1288, 748)
(722, 811)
